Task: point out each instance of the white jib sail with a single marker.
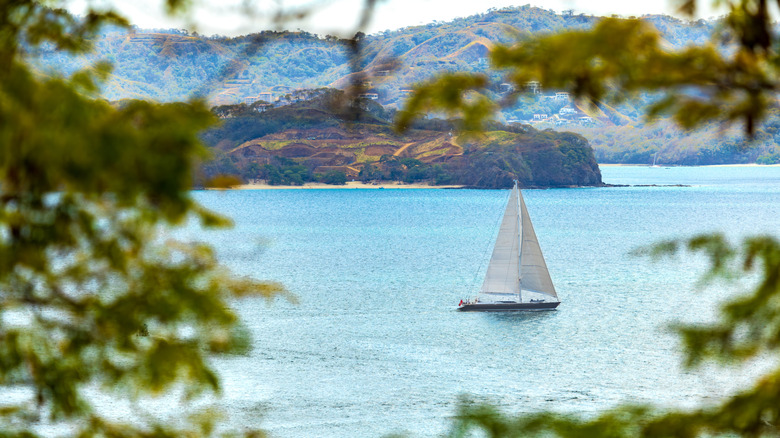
(516, 266)
(534, 275)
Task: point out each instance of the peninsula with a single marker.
(326, 139)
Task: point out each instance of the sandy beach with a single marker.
(348, 185)
(401, 185)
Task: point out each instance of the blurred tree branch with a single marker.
(90, 292)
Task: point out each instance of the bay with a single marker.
(375, 346)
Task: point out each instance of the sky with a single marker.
(341, 17)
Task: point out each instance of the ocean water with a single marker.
(375, 345)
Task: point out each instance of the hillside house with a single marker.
(264, 97)
(534, 87)
(567, 111)
(540, 117)
(562, 96)
(506, 88)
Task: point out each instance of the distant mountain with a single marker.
(173, 65)
(666, 144)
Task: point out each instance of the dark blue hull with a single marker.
(507, 307)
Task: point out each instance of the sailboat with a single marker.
(517, 277)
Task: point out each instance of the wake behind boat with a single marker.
(517, 277)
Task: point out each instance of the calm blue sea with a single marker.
(375, 345)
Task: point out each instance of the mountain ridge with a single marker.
(172, 63)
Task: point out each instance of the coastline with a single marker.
(402, 185)
(348, 185)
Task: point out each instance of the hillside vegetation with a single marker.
(322, 139)
(172, 65)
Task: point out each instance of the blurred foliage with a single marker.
(93, 292)
(223, 181)
(454, 94)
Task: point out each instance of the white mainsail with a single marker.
(517, 263)
(502, 272)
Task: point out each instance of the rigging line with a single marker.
(497, 227)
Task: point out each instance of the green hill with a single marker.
(324, 138)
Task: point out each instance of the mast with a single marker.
(519, 254)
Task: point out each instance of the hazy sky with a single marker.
(341, 16)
